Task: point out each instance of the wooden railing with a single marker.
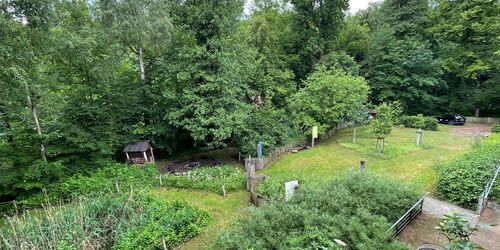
(404, 220)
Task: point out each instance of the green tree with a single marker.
(466, 33)
(327, 98)
(382, 125)
(316, 24)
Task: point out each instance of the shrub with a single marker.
(103, 180)
(419, 121)
(273, 188)
(355, 209)
(108, 179)
(105, 222)
(462, 180)
(214, 179)
(495, 128)
(457, 230)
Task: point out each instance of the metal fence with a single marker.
(483, 198)
(404, 220)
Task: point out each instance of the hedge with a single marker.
(419, 121)
(462, 180)
(356, 209)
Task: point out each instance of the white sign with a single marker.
(290, 189)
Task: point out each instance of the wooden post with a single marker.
(145, 156)
(362, 166)
(354, 135)
(419, 137)
(152, 155)
(128, 156)
(250, 169)
(161, 181)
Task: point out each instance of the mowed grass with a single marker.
(402, 159)
(223, 209)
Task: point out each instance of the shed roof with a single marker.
(137, 146)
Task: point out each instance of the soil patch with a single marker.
(179, 167)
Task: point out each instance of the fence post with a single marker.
(419, 137)
(362, 166)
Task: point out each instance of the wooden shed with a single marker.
(139, 152)
(372, 114)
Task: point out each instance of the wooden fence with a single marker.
(483, 198)
(487, 120)
(404, 220)
(276, 153)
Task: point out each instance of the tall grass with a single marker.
(102, 222)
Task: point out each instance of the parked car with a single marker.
(452, 119)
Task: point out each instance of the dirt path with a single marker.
(422, 228)
(473, 129)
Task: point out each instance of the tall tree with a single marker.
(138, 24)
(466, 33)
(316, 24)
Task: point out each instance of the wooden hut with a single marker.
(372, 114)
(139, 152)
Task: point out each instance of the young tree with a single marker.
(382, 125)
(457, 230)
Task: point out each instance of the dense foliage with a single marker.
(462, 180)
(220, 180)
(127, 221)
(419, 121)
(79, 79)
(356, 209)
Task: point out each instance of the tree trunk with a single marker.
(34, 114)
(141, 65)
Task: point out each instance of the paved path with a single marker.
(422, 228)
(437, 208)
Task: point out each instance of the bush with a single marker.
(127, 221)
(495, 128)
(462, 180)
(214, 179)
(107, 179)
(356, 209)
(273, 188)
(419, 121)
(103, 180)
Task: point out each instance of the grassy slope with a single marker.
(402, 159)
(223, 210)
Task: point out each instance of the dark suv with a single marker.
(452, 119)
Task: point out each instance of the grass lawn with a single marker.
(402, 158)
(223, 210)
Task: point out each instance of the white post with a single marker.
(128, 156)
(290, 189)
(152, 155)
(419, 137)
(354, 135)
(145, 156)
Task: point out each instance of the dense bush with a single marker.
(419, 121)
(219, 180)
(463, 179)
(356, 209)
(126, 221)
(495, 128)
(111, 178)
(273, 188)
